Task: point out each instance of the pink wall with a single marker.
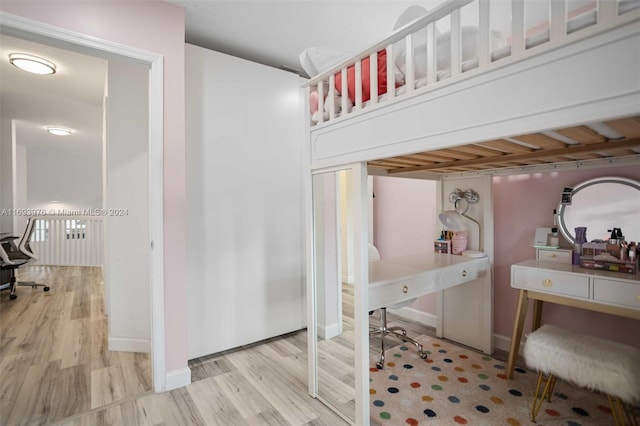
(158, 27)
(522, 203)
(405, 223)
(403, 227)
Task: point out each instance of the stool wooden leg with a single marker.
(538, 398)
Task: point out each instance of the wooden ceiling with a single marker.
(567, 145)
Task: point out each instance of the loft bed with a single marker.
(469, 98)
(564, 92)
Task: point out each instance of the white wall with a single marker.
(245, 237)
(20, 175)
(72, 175)
(6, 174)
(127, 237)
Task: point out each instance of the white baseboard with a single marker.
(328, 332)
(177, 378)
(504, 343)
(126, 344)
(499, 341)
(415, 315)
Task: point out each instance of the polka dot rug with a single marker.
(457, 386)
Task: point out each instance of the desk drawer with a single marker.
(557, 256)
(411, 287)
(617, 292)
(551, 282)
(459, 275)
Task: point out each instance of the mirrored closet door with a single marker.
(336, 246)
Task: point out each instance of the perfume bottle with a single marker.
(581, 238)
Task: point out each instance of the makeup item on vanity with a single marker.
(442, 246)
(554, 241)
(459, 242)
(624, 252)
(581, 238)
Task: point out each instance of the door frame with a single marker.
(26, 28)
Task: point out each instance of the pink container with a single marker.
(459, 242)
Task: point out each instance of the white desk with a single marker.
(392, 281)
(396, 280)
(613, 293)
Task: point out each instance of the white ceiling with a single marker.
(270, 32)
(72, 97)
(275, 32)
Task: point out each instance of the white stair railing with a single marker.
(68, 240)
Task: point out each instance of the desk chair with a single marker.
(13, 256)
(382, 329)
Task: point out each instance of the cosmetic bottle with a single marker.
(581, 238)
(553, 237)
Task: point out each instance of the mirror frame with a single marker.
(567, 233)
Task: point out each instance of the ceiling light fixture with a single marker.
(32, 64)
(59, 131)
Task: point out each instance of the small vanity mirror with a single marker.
(600, 205)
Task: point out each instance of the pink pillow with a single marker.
(351, 78)
(313, 101)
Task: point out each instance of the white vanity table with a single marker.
(566, 284)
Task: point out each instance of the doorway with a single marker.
(153, 244)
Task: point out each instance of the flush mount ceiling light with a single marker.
(59, 131)
(32, 64)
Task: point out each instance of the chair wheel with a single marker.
(379, 365)
(424, 355)
(46, 289)
(13, 296)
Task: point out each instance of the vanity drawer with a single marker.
(617, 292)
(551, 282)
(558, 256)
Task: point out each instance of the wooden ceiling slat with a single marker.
(455, 154)
(506, 146)
(478, 150)
(500, 153)
(627, 127)
(537, 155)
(582, 134)
(540, 140)
(434, 157)
(585, 156)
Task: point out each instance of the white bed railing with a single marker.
(68, 240)
(562, 27)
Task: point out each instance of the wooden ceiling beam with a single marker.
(535, 155)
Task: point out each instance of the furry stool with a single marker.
(586, 361)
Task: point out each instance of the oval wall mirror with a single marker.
(600, 205)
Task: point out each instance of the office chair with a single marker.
(382, 329)
(12, 257)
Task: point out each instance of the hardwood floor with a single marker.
(54, 361)
(55, 369)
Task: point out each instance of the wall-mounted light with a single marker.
(32, 64)
(59, 131)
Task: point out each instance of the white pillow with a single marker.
(411, 14)
(316, 60)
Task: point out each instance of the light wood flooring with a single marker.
(47, 381)
(54, 361)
